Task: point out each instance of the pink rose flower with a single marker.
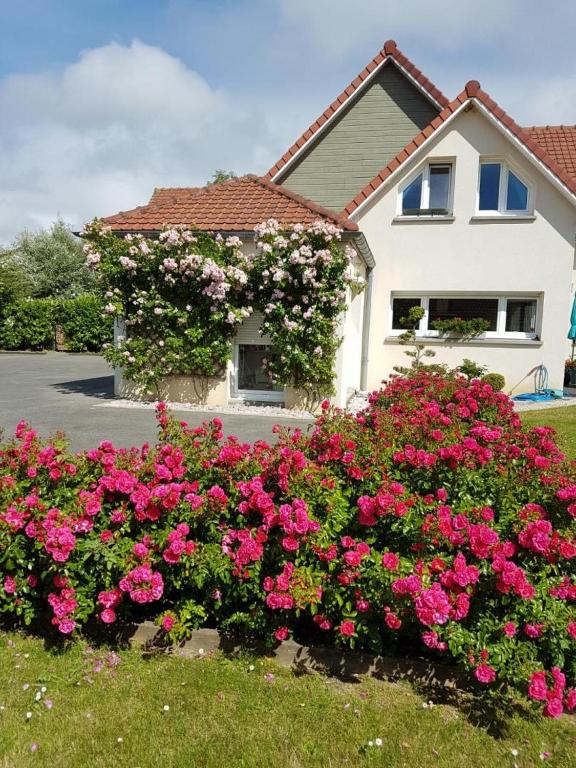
(537, 688)
(167, 623)
(509, 629)
(282, 634)
(66, 626)
(485, 673)
(554, 707)
(390, 561)
(347, 628)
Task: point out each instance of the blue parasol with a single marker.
(572, 331)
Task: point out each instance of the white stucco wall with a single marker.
(483, 257)
(349, 355)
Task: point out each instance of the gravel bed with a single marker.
(274, 411)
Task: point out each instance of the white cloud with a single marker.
(98, 136)
(547, 101)
(338, 26)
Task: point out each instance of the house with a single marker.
(451, 206)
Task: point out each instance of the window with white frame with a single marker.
(513, 317)
(428, 193)
(501, 191)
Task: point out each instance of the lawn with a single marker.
(562, 419)
(101, 709)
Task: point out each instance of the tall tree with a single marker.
(52, 260)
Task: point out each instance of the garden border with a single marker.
(309, 659)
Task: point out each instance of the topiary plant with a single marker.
(496, 381)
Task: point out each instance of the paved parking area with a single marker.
(61, 391)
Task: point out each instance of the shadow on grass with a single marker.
(440, 683)
(98, 386)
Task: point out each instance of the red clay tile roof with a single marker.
(389, 51)
(472, 91)
(559, 141)
(237, 205)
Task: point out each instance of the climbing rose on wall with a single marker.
(183, 296)
(302, 277)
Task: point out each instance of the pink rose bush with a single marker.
(432, 521)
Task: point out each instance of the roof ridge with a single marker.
(389, 51)
(326, 213)
(472, 91)
(546, 127)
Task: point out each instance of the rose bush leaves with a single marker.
(432, 522)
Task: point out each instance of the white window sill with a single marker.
(427, 219)
(503, 217)
(502, 341)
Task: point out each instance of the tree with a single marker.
(52, 262)
(14, 284)
(220, 175)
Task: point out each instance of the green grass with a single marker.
(564, 422)
(224, 714)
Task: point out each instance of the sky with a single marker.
(103, 100)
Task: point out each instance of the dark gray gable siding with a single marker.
(362, 139)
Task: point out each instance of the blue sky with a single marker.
(101, 100)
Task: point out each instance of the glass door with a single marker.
(251, 380)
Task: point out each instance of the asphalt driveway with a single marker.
(61, 391)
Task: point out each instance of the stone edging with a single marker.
(327, 660)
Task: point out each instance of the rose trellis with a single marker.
(183, 295)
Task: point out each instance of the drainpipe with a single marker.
(366, 329)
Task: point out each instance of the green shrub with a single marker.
(471, 369)
(496, 381)
(458, 326)
(28, 324)
(85, 327)
(31, 324)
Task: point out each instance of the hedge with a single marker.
(30, 324)
(431, 523)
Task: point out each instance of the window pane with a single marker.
(517, 194)
(251, 373)
(439, 186)
(466, 309)
(400, 309)
(489, 186)
(521, 315)
(412, 195)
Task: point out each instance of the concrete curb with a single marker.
(302, 659)
(22, 352)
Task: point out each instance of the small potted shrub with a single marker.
(570, 373)
(461, 327)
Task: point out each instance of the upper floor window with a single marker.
(429, 193)
(502, 191)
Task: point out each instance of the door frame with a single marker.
(260, 395)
